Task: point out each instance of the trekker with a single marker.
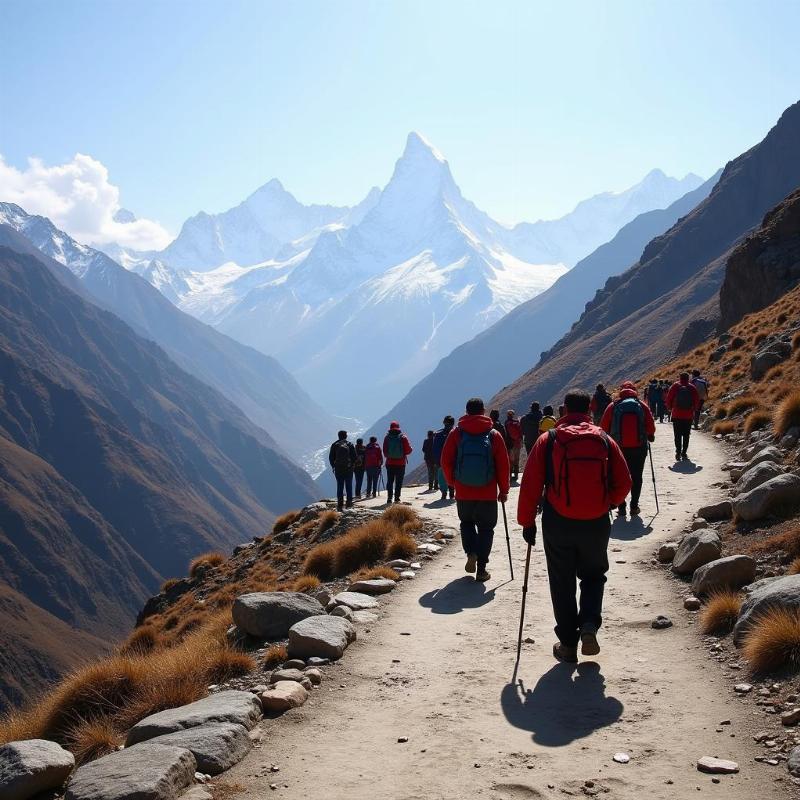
(439, 438)
(530, 426)
(583, 475)
(373, 461)
(601, 400)
(653, 396)
(514, 441)
(663, 411)
(342, 457)
(430, 464)
(630, 424)
(548, 421)
(682, 402)
(358, 469)
(701, 384)
(397, 449)
(494, 416)
(475, 461)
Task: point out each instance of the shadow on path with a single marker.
(685, 467)
(568, 703)
(456, 596)
(439, 503)
(628, 529)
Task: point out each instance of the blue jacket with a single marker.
(439, 438)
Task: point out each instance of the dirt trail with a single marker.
(437, 669)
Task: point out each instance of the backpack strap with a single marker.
(549, 474)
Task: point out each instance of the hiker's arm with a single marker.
(670, 397)
(502, 465)
(330, 456)
(605, 422)
(407, 448)
(449, 457)
(649, 423)
(620, 483)
(530, 492)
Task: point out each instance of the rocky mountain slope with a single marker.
(640, 317)
(256, 383)
(493, 358)
(117, 467)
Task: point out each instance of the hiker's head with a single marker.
(394, 426)
(430, 434)
(475, 406)
(449, 420)
(373, 439)
(511, 413)
(576, 401)
(696, 373)
(359, 441)
(600, 387)
(342, 434)
(627, 385)
(535, 406)
(494, 415)
(548, 411)
(684, 377)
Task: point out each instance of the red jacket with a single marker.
(477, 423)
(407, 449)
(513, 431)
(629, 435)
(682, 413)
(581, 506)
(372, 455)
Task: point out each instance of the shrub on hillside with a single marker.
(400, 515)
(723, 427)
(787, 541)
(720, 412)
(93, 738)
(773, 641)
(306, 583)
(796, 341)
(787, 414)
(377, 572)
(276, 654)
(144, 639)
(756, 421)
(401, 546)
(169, 583)
(205, 561)
(285, 521)
(794, 567)
(326, 520)
(741, 404)
(720, 612)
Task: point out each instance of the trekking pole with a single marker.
(653, 472)
(524, 598)
(508, 541)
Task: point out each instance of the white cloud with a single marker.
(79, 199)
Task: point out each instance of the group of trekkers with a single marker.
(580, 467)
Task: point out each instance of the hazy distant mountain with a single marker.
(256, 383)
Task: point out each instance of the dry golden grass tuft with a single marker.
(363, 546)
(92, 738)
(326, 520)
(724, 426)
(794, 567)
(169, 583)
(796, 341)
(285, 520)
(720, 412)
(143, 640)
(400, 515)
(756, 421)
(401, 546)
(773, 641)
(205, 561)
(276, 654)
(787, 541)
(720, 612)
(306, 583)
(321, 561)
(787, 414)
(741, 404)
(377, 572)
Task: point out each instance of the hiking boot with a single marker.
(622, 509)
(388, 501)
(677, 455)
(348, 504)
(684, 457)
(472, 561)
(444, 497)
(452, 495)
(635, 511)
(482, 575)
(589, 645)
(568, 655)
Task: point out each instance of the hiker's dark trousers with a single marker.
(344, 482)
(394, 480)
(359, 473)
(478, 521)
(372, 480)
(576, 550)
(682, 428)
(698, 412)
(433, 478)
(635, 457)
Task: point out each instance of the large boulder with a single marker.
(756, 475)
(355, 600)
(216, 747)
(269, 615)
(32, 766)
(696, 548)
(777, 494)
(150, 772)
(241, 708)
(730, 572)
(715, 512)
(767, 357)
(374, 586)
(779, 593)
(326, 637)
(762, 454)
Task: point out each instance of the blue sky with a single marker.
(192, 105)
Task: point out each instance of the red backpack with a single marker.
(372, 455)
(513, 429)
(577, 472)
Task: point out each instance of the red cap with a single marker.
(394, 426)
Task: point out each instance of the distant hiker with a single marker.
(630, 424)
(373, 461)
(701, 384)
(396, 448)
(439, 438)
(430, 463)
(514, 441)
(342, 457)
(663, 411)
(530, 426)
(652, 396)
(358, 469)
(601, 400)
(548, 421)
(494, 416)
(683, 402)
(475, 461)
(583, 474)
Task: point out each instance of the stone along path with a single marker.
(424, 705)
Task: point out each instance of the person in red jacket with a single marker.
(578, 474)
(683, 401)
(513, 441)
(630, 424)
(396, 450)
(475, 461)
(373, 461)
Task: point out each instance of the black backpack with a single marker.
(342, 458)
(683, 398)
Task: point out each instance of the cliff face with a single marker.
(764, 266)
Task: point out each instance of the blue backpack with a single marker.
(394, 445)
(474, 458)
